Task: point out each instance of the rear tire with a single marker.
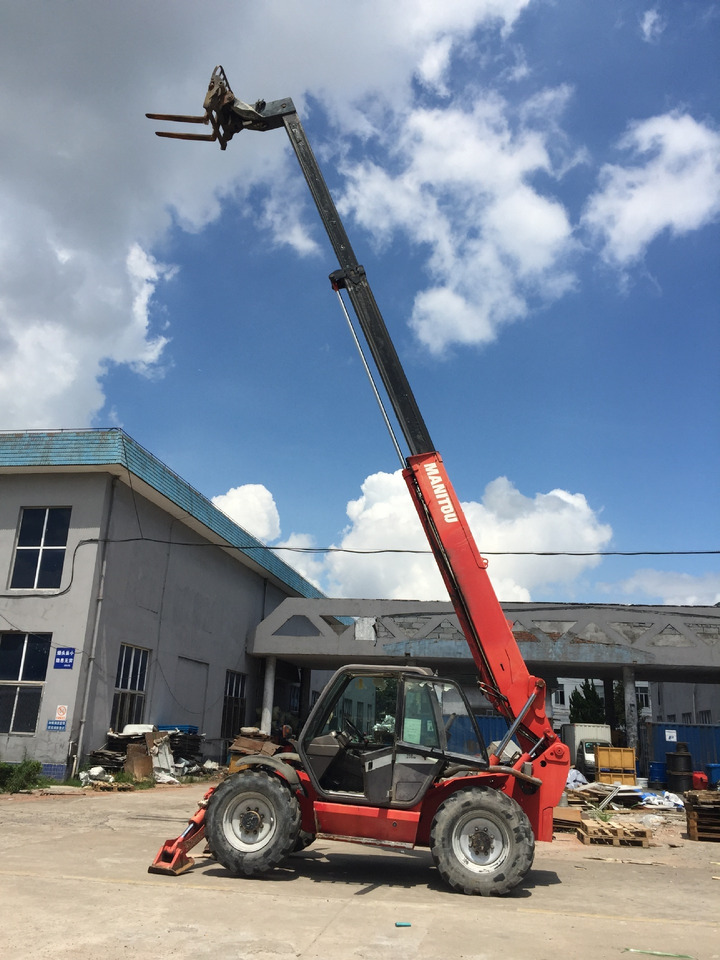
(482, 842)
(253, 823)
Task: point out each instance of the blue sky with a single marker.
(534, 190)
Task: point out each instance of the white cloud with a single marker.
(84, 185)
(674, 186)
(652, 25)
(664, 586)
(463, 191)
(308, 564)
(253, 507)
(504, 520)
(81, 197)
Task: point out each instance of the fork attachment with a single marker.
(172, 858)
(225, 114)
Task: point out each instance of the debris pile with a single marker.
(250, 741)
(147, 753)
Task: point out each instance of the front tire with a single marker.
(482, 842)
(253, 823)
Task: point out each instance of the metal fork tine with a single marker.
(186, 136)
(179, 118)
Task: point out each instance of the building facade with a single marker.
(128, 598)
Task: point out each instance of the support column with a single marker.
(268, 695)
(631, 713)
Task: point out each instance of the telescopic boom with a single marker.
(506, 681)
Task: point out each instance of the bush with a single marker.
(21, 776)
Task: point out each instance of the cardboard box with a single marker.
(137, 762)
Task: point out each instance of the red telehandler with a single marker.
(392, 756)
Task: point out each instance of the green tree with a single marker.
(586, 704)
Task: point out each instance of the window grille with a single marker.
(23, 667)
(40, 549)
(233, 715)
(129, 700)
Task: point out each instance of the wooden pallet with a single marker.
(103, 786)
(590, 831)
(702, 808)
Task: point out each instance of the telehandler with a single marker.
(391, 756)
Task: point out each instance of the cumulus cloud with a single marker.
(503, 520)
(86, 191)
(459, 186)
(673, 186)
(252, 507)
(652, 25)
(299, 554)
(665, 586)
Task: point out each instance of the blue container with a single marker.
(713, 774)
(657, 772)
(181, 727)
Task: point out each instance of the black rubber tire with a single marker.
(303, 841)
(482, 842)
(252, 823)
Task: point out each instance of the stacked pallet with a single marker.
(592, 831)
(702, 808)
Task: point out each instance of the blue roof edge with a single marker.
(98, 447)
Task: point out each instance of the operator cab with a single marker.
(383, 735)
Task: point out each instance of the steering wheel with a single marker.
(356, 733)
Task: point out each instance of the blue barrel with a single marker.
(657, 775)
(713, 774)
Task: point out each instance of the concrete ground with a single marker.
(74, 884)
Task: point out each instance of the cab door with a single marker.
(420, 742)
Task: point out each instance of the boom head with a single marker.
(226, 114)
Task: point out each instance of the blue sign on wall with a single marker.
(64, 658)
(56, 724)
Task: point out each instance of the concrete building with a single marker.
(566, 686)
(686, 703)
(128, 598)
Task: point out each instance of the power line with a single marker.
(420, 551)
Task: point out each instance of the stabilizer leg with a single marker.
(172, 858)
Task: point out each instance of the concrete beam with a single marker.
(577, 640)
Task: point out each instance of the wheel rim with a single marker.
(249, 822)
(479, 843)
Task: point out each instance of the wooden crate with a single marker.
(566, 818)
(615, 765)
(616, 758)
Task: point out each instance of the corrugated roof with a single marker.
(90, 448)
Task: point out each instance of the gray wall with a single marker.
(67, 613)
(190, 603)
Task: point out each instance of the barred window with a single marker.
(233, 714)
(129, 700)
(23, 666)
(40, 550)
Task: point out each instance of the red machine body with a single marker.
(467, 806)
